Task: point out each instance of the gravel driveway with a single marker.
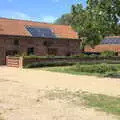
(21, 95)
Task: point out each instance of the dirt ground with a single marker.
(22, 91)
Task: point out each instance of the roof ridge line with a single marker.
(34, 21)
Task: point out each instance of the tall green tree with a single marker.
(65, 19)
(107, 13)
(98, 19)
(86, 25)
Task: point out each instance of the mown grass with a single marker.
(100, 102)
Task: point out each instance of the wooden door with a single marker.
(2, 56)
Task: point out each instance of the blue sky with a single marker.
(36, 10)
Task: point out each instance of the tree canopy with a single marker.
(98, 19)
(65, 19)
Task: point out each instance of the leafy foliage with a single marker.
(96, 68)
(46, 64)
(65, 19)
(98, 19)
(107, 54)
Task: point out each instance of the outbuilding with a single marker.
(35, 38)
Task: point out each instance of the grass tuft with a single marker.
(100, 102)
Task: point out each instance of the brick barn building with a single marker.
(110, 43)
(28, 37)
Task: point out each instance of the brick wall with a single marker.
(20, 62)
(63, 46)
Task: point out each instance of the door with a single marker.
(2, 56)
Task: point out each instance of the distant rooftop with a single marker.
(111, 40)
(110, 43)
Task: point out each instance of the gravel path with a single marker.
(21, 95)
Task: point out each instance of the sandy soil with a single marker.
(21, 95)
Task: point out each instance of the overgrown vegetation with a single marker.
(101, 102)
(107, 54)
(95, 68)
(105, 70)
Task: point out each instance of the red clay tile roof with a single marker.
(104, 47)
(17, 27)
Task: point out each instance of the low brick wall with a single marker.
(20, 62)
(49, 60)
(70, 60)
(14, 62)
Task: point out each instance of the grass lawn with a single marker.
(71, 70)
(100, 102)
(67, 69)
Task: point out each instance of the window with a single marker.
(30, 51)
(16, 42)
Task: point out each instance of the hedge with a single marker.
(47, 64)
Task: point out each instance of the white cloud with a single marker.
(49, 19)
(20, 15)
(15, 15)
(24, 16)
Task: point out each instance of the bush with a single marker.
(38, 64)
(82, 55)
(48, 56)
(97, 68)
(112, 74)
(107, 54)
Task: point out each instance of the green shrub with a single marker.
(97, 68)
(48, 56)
(52, 64)
(82, 55)
(112, 74)
(93, 56)
(107, 54)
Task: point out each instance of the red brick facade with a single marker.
(11, 45)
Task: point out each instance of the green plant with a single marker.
(93, 56)
(104, 103)
(47, 64)
(96, 68)
(82, 55)
(107, 54)
(112, 74)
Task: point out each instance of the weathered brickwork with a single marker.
(10, 45)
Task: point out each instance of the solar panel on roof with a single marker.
(111, 41)
(41, 32)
